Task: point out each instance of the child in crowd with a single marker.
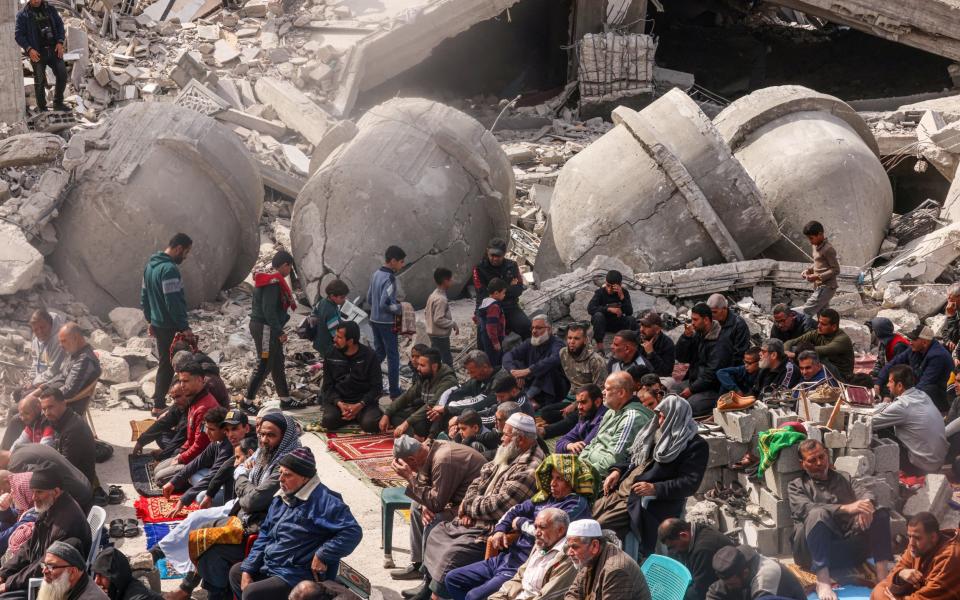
(491, 322)
(439, 320)
(471, 432)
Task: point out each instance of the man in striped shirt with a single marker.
(624, 418)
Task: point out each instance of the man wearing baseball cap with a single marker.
(931, 364)
(496, 265)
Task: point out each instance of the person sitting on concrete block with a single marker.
(79, 371)
(743, 573)
(836, 524)
(777, 373)
(604, 571)
(409, 411)
(655, 346)
(732, 326)
(930, 362)
(610, 308)
(831, 343)
(789, 324)
(929, 569)
(917, 424)
(590, 410)
(706, 350)
(352, 383)
(824, 271)
(495, 266)
(665, 467)
(741, 379)
(625, 417)
(693, 544)
(535, 363)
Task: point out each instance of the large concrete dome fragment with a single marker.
(149, 171)
(419, 175)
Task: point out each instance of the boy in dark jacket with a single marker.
(195, 476)
(491, 321)
(272, 298)
(352, 383)
(610, 308)
(471, 432)
(327, 312)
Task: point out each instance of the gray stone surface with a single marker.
(20, 263)
(150, 171)
(30, 149)
(127, 321)
(418, 174)
(13, 103)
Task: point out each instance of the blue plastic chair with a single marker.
(666, 578)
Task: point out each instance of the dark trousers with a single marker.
(481, 579)
(164, 339)
(703, 403)
(817, 544)
(517, 321)
(368, 418)
(272, 362)
(385, 345)
(603, 322)
(214, 567)
(48, 58)
(441, 343)
(263, 587)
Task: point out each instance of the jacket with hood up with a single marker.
(112, 564)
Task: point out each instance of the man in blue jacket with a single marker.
(165, 308)
(384, 308)
(40, 33)
(308, 530)
(535, 364)
(931, 363)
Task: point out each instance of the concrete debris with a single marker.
(30, 149)
(20, 263)
(128, 322)
(923, 260)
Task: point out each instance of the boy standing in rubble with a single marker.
(824, 271)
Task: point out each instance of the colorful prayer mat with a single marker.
(141, 474)
(362, 446)
(156, 531)
(157, 509)
(138, 427)
(380, 472)
(166, 571)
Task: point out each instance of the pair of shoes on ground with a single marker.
(124, 528)
(412, 572)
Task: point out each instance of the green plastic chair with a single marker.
(391, 500)
(666, 578)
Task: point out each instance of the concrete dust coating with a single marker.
(113, 426)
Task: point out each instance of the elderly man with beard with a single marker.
(548, 572)
(776, 372)
(604, 571)
(65, 575)
(59, 518)
(535, 364)
(502, 484)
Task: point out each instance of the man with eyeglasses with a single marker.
(65, 575)
(776, 372)
(741, 379)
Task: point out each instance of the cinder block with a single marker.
(813, 431)
(835, 439)
(777, 482)
(859, 431)
(821, 414)
(788, 460)
(738, 425)
(779, 416)
(727, 520)
(854, 466)
(867, 454)
(765, 540)
(711, 477)
(119, 390)
(752, 487)
(886, 455)
(932, 497)
(719, 451)
(880, 489)
(778, 508)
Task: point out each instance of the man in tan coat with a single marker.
(548, 571)
(930, 567)
(604, 571)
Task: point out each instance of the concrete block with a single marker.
(727, 520)
(813, 431)
(752, 487)
(932, 497)
(702, 511)
(119, 390)
(765, 540)
(867, 454)
(777, 507)
(788, 460)
(854, 466)
(719, 451)
(886, 454)
(113, 368)
(859, 431)
(777, 482)
(881, 490)
(779, 416)
(741, 425)
(834, 439)
(711, 477)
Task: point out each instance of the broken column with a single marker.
(418, 174)
(150, 171)
(13, 103)
(813, 158)
(658, 191)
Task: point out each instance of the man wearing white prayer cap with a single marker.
(604, 571)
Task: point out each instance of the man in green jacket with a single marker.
(327, 312)
(625, 417)
(272, 298)
(165, 308)
(831, 343)
(409, 411)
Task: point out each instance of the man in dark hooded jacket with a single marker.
(886, 341)
(112, 574)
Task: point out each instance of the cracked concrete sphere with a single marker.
(814, 158)
(150, 171)
(659, 190)
(419, 175)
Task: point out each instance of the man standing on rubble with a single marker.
(41, 34)
(165, 308)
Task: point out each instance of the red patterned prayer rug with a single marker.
(157, 509)
(380, 471)
(362, 446)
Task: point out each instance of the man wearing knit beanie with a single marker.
(65, 574)
(308, 530)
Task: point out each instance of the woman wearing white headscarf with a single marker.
(667, 462)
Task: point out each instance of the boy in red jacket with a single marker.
(491, 322)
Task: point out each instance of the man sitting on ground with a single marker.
(582, 366)
(790, 324)
(812, 371)
(438, 474)
(112, 574)
(74, 440)
(732, 326)
(476, 393)
(473, 433)
(535, 363)
(60, 518)
(706, 350)
(169, 431)
(930, 362)
(590, 409)
(610, 308)
(743, 378)
(198, 402)
(34, 457)
(694, 545)
(625, 417)
(196, 474)
(408, 413)
(309, 529)
(65, 575)
(604, 571)
(836, 524)
(352, 382)
(831, 343)
(776, 372)
(930, 566)
(656, 346)
(744, 574)
(917, 424)
(625, 352)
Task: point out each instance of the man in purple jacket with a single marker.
(591, 409)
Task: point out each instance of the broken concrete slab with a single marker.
(923, 260)
(449, 184)
(128, 322)
(272, 128)
(13, 102)
(295, 109)
(30, 149)
(20, 263)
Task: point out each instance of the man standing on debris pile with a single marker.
(165, 308)
(41, 34)
(823, 272)
(494, 265)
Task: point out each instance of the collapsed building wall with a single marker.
(13, 103)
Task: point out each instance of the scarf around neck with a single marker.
(287, 301)
(263, 464)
